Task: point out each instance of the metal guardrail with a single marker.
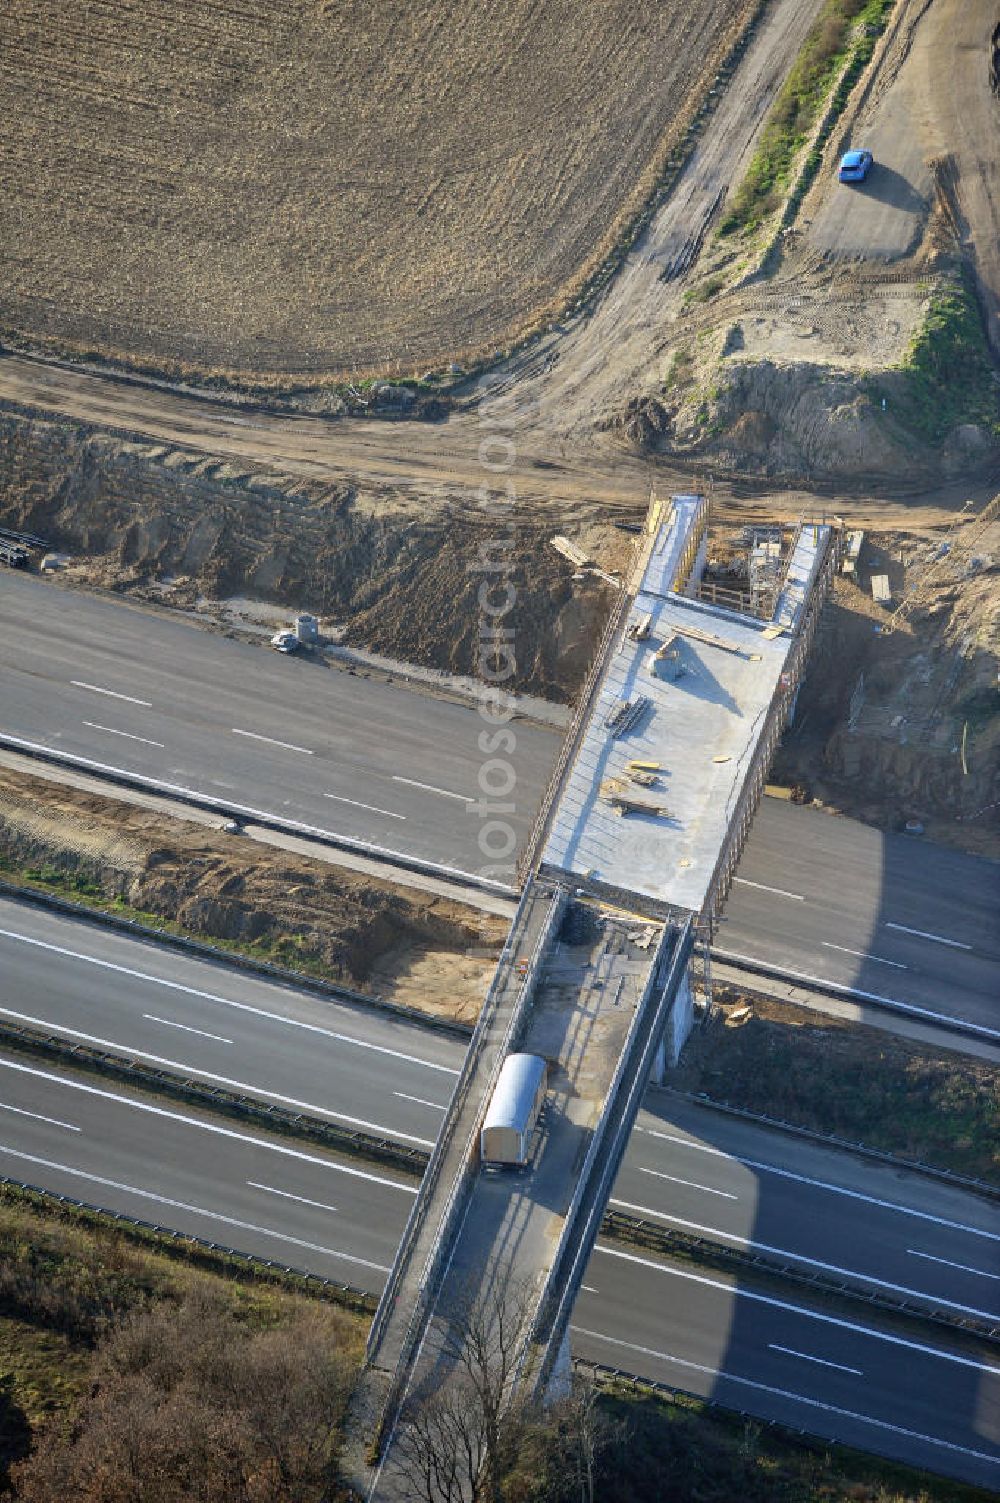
(363, 1297)
(631, 1076)
(915, 1166)
(417, 1217)
(427, 1287)
(668, 1240)
(243, 813)
(774, 722)
(615, 1225)
(20, 1037)
(204, 949)
(571, 740)
(446, 1231)
(854, 994)
(605, 1376)
(636, 1027)
(24, 539)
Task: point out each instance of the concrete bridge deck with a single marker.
(595, 973)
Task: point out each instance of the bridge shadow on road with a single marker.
(789, 1350)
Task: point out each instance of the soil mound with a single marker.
(286, 908)
(389, 574)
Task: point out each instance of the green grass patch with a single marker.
(856, 1083)
(948, 370)
(844, 33)
(288, 950)
(686, 1450)
(706, 290)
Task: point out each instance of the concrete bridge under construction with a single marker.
(630, 860)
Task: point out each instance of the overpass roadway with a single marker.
(687, 1166)
(849, 1375)
(154, 695)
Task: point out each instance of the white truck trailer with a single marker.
(505, 1139)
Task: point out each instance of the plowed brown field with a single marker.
(327, 185)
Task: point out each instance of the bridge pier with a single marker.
(680, 1021)
(560, 1384)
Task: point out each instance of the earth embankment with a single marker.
(415, 948)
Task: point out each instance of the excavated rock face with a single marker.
(646, 422)
(806, 421)
(211, 885)
(391, 575)
(802, 421)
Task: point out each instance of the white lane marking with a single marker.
(820, 1361)
(691, 1184)
(182, 1205)
(258, 1012)
(334, 1165)
(784, 1393)
(939, 939)
(784, 1252)
(940, 1353)
(110, 730)
(285, 745)
(821, 1184)
(160, 785)
(419, 1101)
(77, 683)
(780, 892)
(52, 1121)
(430, 788)
(855, 994)
(589, 1288)
(981, 1273)
(248, 1088)
(864, 955)
(374, 808)
(320, 1205)
(152, 1018)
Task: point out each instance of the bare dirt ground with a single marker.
(774, 375)
(902, 724)
(323, 188)
(381, 571)
(598, 411)
(932, 119)
(410, 947)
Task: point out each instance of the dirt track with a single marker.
(561, 385)
(930, 116)
(560, 390)
(328, 188)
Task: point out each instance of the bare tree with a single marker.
(195, 1405)
(581, 1433)
(458, 1435)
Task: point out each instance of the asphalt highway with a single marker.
(688, 1166)
(839, 1372)
(892, 915)
(292, 737)
(825, 897)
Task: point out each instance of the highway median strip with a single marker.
(616, 1226)
(22, 1039)
(98, 909)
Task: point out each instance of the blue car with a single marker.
(855, 166)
